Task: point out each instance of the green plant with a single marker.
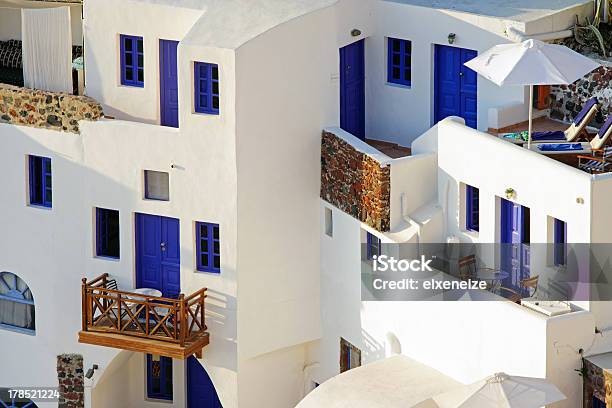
(589, 32)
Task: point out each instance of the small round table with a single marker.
(493, 277)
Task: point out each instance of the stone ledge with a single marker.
(46, 110)
(355, 183)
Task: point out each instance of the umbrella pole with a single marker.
(530, 116)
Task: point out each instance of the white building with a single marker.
(212, 137)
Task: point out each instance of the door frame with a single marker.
(435, 87)
(137, 266)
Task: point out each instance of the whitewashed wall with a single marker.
(104, 21)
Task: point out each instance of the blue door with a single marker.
(168, 89)
(515, 249)
(201, 391)
(455, 85)
(352, 89)
(158, 254)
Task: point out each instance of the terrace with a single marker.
(132, 320)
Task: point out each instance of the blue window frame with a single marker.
(208, 247)
(472, 208)
(560, 246)
(399, 61)
(372, 245)
(159, 377)
(107, 233)
(132, 60)
(206, 78)
(40, 181)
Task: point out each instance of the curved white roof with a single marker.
(231, 23)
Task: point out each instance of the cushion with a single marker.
(548, 135)
(585, 109)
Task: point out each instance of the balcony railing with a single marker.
(133, 321)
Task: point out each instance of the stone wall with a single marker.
(567, 100)
(71, 381)
(597, 382)
(49, 110)
(355, 182)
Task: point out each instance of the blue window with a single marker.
(159, 377)
(472, 208)
(107, 233)
(16, 303)
(40, 181)
(399, 61)
(560, 247)
(206, 88)
(372, 246)
(208, 249)
(132, 61)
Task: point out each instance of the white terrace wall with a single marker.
(284, 99)
(104, 21)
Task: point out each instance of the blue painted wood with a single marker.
(132, 60)
(597, 403)
(159, 382)
(399, 61)
(201, 392)
(560, 235)
(208, 247)
(472, 213)
(373, 245)
(107, 233)
(455, 85)
(352, 89)
(168, 76)
(515, 248)
(158, 254)
(41, 192)
(206, 88)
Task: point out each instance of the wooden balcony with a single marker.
(131, 321)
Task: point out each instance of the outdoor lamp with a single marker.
(451, 38)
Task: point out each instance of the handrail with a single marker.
(122, 312)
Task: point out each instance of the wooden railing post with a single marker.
(119, 312)
(84, 304)
(202, 321)
(183, 318)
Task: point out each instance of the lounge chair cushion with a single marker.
(559, 147)
(605, 127)
(585, 110)
(548, 135)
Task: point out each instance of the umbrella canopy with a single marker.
(502, 391)
(531, 62)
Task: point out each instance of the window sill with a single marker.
(156, 200)
(206, 113)
(471, 233)
(402, 86)
(15, 329)
(107, 258)
(40, 207)
(208, 272)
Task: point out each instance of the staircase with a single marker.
(391, 149)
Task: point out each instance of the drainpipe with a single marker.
(519, 36)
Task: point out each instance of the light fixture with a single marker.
(90, 372)
(355, 32)
(451, 38)
(580, 200)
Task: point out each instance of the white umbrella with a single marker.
(502, 391)
(531, 62)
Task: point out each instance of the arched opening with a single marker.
(16, 304)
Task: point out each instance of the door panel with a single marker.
(158, 254)
(168, 74)
(515, 250)
(352, 89)
(201, 391)
(455, 85)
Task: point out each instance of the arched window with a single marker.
(16, 304)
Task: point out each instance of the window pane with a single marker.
(396, 45)
(217, 262)
(140, 45)
(129, 74)
(140, 60)
(396, 73)
(407, 75)
(216, 232)
(140, 75)
(203, 245)
(215, 72)
(216, 247)
(215, 88)
(157, 185)
(408, 46)
(128, 59)
(204, 260)
(407, 60)
(127, 43)
(215, 102)
(203, 231)
(396, 59)
(203, 101)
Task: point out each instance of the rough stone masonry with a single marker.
(355, 182)
(48, 110)
(71, 381)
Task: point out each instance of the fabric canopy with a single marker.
(47, 49)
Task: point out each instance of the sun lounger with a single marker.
(576, 128)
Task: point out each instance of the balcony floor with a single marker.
(144, 345)
(393, 150)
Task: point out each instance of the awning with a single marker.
(396, 382)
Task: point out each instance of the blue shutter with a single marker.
(107, 233)
(472, 208)
(208, 247)
(41, 192)
(206, 94)
(372, 246)
(159, 378)
(560, 245)
(132, 60)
